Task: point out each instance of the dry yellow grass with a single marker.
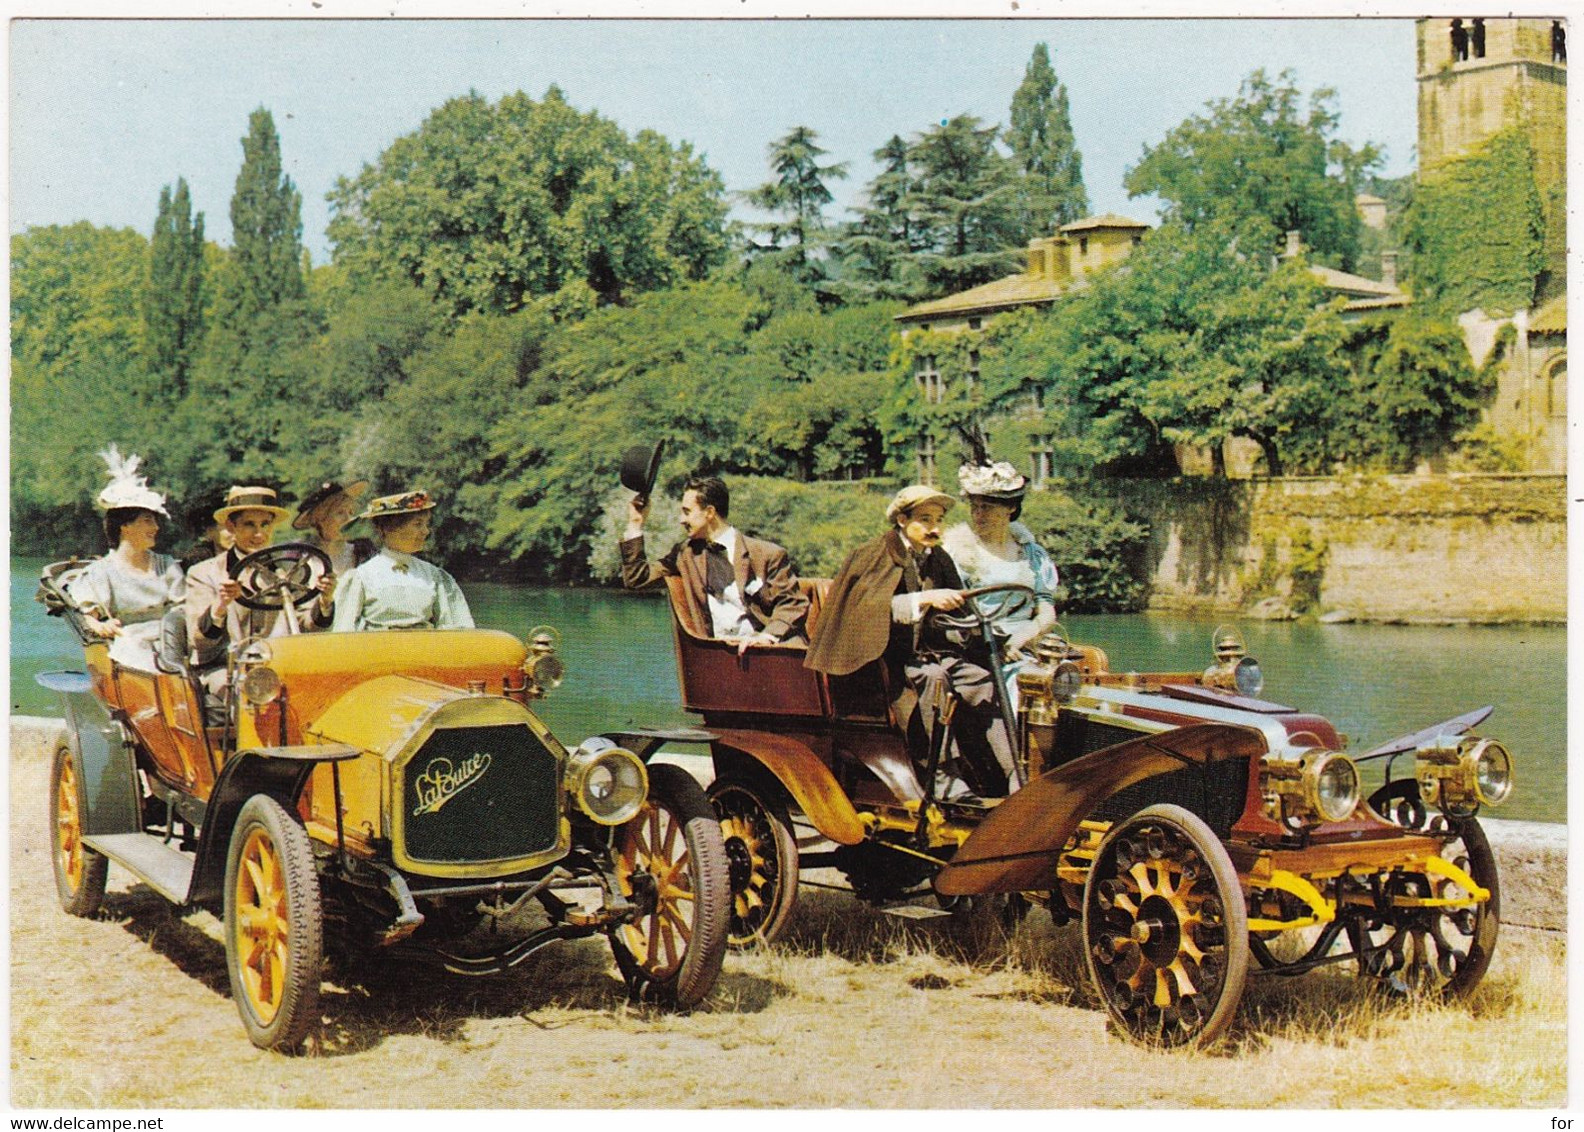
(852, 1010)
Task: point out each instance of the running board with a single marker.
(164, 868)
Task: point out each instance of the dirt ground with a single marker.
(854, 1010)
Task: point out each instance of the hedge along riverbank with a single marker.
(1447, 548)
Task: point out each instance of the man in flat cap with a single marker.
(743, 588)
(876, 608)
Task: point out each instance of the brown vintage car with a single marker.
(1189, 825)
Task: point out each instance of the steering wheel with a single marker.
(1019, 605)
(277, 574)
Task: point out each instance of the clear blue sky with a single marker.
(103, 113)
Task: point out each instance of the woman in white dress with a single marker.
(993, 549)
(395, 589)
(324, 514)
(126, 592)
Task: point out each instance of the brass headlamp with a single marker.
(1315, 786)
(1460, 775)
(1234, 670)
(542, 670)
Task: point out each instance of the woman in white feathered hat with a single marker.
(993, 549)
(130, 588)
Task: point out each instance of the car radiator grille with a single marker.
(479, 794)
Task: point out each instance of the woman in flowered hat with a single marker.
(993, 549)
(130, 588)
(324, 513)
(395, 589)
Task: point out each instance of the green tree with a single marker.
(173, 298)
(797, 196)
(487, 205)
(964, 204)
(1267, 164)
(874, 252)
(1040, 136)
(78, 381)
(266, 224)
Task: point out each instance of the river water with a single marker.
(1374, 682)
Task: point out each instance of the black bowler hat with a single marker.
(640, 466)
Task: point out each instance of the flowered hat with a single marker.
(251, 499)
(126, 488)
(402, 504)
(999, 482)
(913, 495)
(322, 495)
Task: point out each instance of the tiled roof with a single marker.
(1002, 294)
(1551, 318)
(1108, 220)
(1353, 284)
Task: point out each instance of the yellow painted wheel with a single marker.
(1166, 928)
(273, 925)
(79, 871)
(761, 857)
(671, 863)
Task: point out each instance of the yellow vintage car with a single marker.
(396, 785)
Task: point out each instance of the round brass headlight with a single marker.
(1332, 782)
(260, 685)
(1492, 771)
(1248, 677)
(608, 783)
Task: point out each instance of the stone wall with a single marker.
(1447, 548)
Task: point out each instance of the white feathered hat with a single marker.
(126, 488)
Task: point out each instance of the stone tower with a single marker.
(1477, 76)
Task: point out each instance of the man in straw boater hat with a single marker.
(875, 609)
(215, 618)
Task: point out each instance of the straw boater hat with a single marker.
(126, 488)
(910, 497)
(323, 494)
(999, 482)
(402, 504)
(250, 499)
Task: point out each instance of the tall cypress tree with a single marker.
(266, 223)
(1040, 137)
(173, 293)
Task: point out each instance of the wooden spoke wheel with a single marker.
(1421, 945)
(79, 871)
(761, 858)
(1166, 929)
(671, 862)
(273, 925)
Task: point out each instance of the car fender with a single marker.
(104, 753)
(1017, 847)
(280, 773)
(804, 775)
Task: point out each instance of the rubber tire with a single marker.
(674, 791)
(298, 1009)
(87, 896)
(1234, 920)
(1482, 867)
(748, 799)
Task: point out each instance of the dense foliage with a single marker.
(1040, 135)
(488, 205)
(1264, 161)
(1477, 228)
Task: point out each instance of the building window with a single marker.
(1477, 40)
(1083, 245)
(929, 379)
(1037, 398)
(973, 369)
(1556, 389)
(926, 459)
(1460, 44)
(1558, 41)
(1041, 461)
(975, 323)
